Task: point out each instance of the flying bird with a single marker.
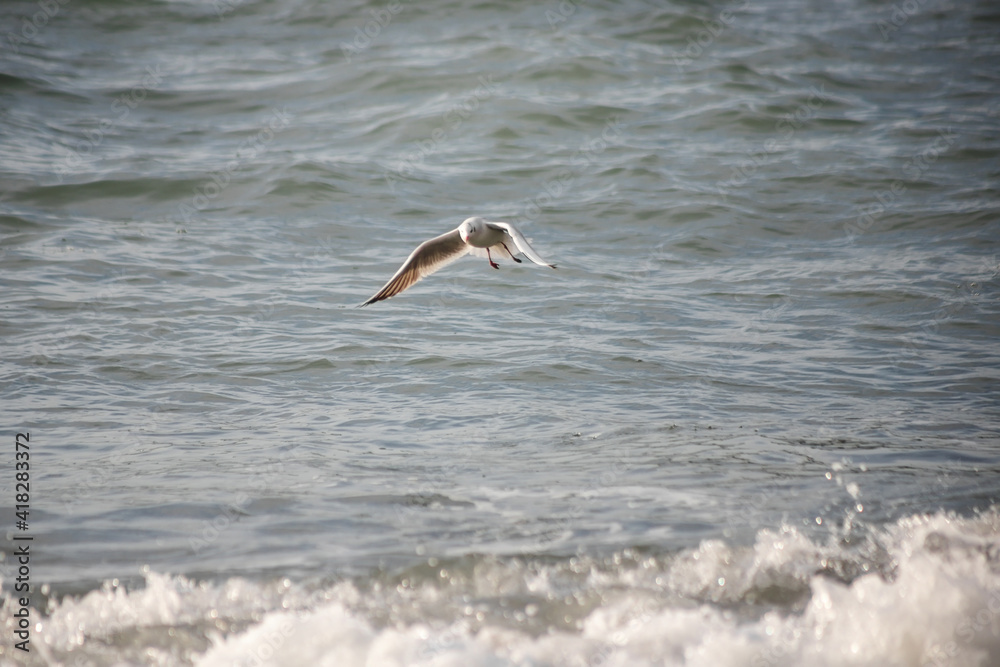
(474, 235)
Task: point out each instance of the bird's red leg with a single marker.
(489, 257)
(510, 253)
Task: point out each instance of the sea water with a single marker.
(751, 419)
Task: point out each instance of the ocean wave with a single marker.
(922, 590)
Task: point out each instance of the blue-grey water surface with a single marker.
(752, 419)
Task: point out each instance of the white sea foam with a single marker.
(922, 591)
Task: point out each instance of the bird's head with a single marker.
(470, 227)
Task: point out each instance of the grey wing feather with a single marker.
(520, 242)
(426, 259)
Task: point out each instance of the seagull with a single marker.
(474, 235)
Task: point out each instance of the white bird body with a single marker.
(475, 235)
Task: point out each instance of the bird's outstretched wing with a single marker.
(426, 259)
(520, 242)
